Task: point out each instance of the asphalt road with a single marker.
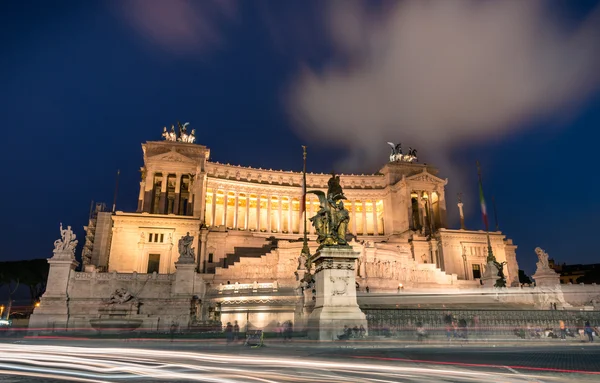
(95, 361)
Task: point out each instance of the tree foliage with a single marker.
(31, 273)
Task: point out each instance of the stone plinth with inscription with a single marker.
(335, 285)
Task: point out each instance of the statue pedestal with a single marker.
(490, 275)
(546, 277)
(184, 279)
(53, 311)
(335, 285)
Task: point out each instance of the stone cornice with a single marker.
(427, 178)
(290, 178)
(288, 191)
(154, 220)
(193, 151)
(473, 236)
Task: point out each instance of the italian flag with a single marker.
(483, 208)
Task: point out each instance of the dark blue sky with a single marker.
(82, 88)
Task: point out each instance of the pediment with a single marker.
(171, 156)
(424, 176)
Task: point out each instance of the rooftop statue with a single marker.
(331, 221)
(169, 136)
(183, 134)
(398, 156)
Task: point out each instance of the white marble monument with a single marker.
(53, 306)
(335, 285)
(544, 275)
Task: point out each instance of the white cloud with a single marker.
(178, 26)
(438, 75)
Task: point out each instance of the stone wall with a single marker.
(466, 296)
(135, 236)
(480, 323)
(156, 300)
(464, 248)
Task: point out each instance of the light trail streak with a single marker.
(85, 364)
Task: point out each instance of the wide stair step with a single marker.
(247, 252)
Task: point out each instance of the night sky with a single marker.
(84, 83)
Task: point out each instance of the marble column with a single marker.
(246, 218)
(225, 192)
(375, 226)
(162, 204)
(354, 217)
(202, 258)
(420, 215)
(177, 193)
(422, 209)
(431, 216)
(364, 217)
(141, 197)
(235, 212)
(269, 201)
(280, 215)
(148, 189)
(190, 206)
(258, 212)
(198, 194)
(462, 215)
(213, 219)
(290, 226)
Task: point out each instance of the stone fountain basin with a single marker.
(115, 325)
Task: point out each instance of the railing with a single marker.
(254, 287)
(81, 275)
(482, 323)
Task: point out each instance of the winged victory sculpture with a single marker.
(331, 221)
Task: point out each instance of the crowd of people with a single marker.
(586, 332)
(352, 332)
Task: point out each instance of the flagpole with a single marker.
(305, 249)
(490, 256)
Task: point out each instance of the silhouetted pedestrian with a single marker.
(589, 332)
(236, 331)
(229, 332)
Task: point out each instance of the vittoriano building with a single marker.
(247, 227)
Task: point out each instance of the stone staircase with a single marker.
(246, 252)
(248, 269)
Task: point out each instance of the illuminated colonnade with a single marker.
(425, 210)
(276, 213)
(167, 193)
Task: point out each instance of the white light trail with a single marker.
(89, 364)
